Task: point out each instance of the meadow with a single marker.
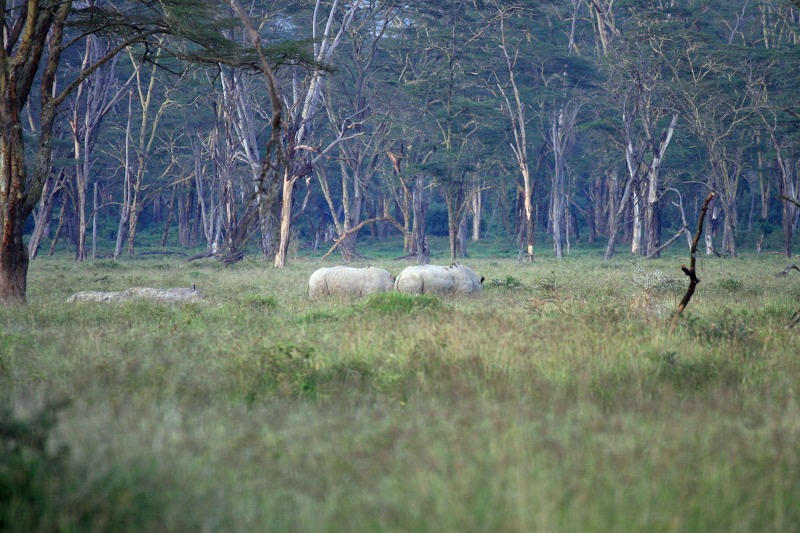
(559, 400)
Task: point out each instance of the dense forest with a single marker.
(550, 122)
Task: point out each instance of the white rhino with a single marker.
(349, 281)
(435, 279)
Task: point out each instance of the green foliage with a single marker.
(388, 303)
(283, 368)
(260, 302)
(41, 489)
(27, 469)
(729, 284)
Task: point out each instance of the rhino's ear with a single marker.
(482, 278)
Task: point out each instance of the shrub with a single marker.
(285, 369)
(729, 284)
(29, 472)
(397, 302)
(259, 302)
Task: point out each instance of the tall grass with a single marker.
(553, 402)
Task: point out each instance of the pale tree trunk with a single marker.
(637, 223)
(403, 197)
(652, 218)
(286, 219)
(520, 146)
(94, 100)
(209, 194)
(712, 227)
(352, 217)
(147, 135)
(477, 211)
(127, 183)
(231, 220)
(560, 139)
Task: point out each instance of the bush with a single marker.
(285, 369)
(29, 473)
(397, 302)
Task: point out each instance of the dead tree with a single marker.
(691, 271)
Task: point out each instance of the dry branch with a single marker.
(789, 199)
(691, 271)
(384, 218)
(666, 244)
(786, 271)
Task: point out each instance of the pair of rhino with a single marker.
(423, 279)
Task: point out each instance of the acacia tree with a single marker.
(94, 99)
(448, 100)
(519, 127)
(350, 105)
(34, 40)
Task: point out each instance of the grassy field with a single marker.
(559, 400)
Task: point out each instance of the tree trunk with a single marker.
(559, 138)
(454, 200)
(729, 230)
(529, 220)
(95, 208)
(620, 204)
(170, 213)
(13, 252)
(477, 211)
(637, 223)
(43, 216)
(286, 219)
(788, 213)
(462, 235)
(420, 208)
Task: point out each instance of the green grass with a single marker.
(553, 402)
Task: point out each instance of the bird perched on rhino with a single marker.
(436, 279)
(349, 281)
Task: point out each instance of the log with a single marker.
(164, 296)
(786, 271)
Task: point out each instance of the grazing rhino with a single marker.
(349, 281)
(435, 279)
